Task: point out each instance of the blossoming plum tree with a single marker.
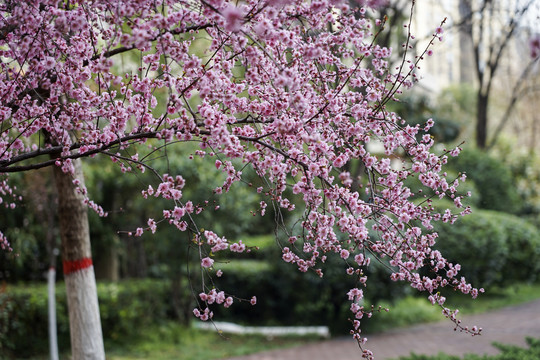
(294, 90)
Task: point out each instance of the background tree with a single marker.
(495, 29)
(293, 91)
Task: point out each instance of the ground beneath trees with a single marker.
(509, 325)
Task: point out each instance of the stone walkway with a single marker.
(509, 325)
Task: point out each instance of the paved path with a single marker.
(509, 325)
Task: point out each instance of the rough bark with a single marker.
(84, 319)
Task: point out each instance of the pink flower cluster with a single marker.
(294, 100)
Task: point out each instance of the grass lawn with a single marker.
(173, 341)
(496, 298)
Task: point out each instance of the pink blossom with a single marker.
(207, 262)
(355, 294)
(375, 4)
(234, 18)
(152, 225)
(238, 247)
(340, 161)
(288, 257)
(455, 152)
(429, 124)
(178, 212)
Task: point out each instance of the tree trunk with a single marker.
(481, 120)
(84, 319)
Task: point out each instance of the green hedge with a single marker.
(508, 352)
(286, 296)
(493, 248)
(492, 178)
(124, 307)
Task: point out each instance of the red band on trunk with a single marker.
(76, 265)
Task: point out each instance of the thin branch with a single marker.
(124, 49)
(5, 165)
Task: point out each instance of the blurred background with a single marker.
(480, 84)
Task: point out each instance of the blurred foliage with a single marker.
(162, 254)
(458, 103)
(508, 352)
(494, 298)
(404, 312)
(23, 316)
(29, 227)
(125, 308)
(170, 341)
(418, 108)
(453, 111)
(523, 239)
(286, 296)
(524, 166)
(478, 243)
(493, 180)
(493, 248)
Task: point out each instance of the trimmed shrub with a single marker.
(285, 296)
(25, 331)
(478, 242)
(124, 308)
(492, 179)
(493, 248)
(523, 239)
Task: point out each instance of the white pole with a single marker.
(53, 342)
